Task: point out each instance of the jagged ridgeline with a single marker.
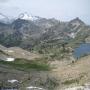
(32, 32)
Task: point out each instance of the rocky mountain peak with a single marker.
(26, 16)
(77, 21)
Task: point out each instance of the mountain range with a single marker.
(42, 50)
(29, 31)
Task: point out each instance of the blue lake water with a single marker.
(83, 49)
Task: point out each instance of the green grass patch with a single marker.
(27, 65)
(68, 82)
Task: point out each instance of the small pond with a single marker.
(82, 50)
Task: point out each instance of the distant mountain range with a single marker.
(28, 31)
(23, 16)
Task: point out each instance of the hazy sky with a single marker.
(60, 9)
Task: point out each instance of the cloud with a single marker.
(3, 1)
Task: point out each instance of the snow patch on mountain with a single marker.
(26, 16)
(4, 18)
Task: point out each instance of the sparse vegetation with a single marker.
(51, 83)
(68, 82)
(26, 65)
